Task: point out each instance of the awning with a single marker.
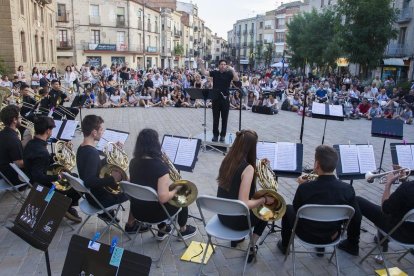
(394, 62)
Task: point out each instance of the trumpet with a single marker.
(309, 176)
(404, 173)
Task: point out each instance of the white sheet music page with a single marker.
(69, 131)
(112, 136)
(286, 156)
(55, 131)
(169, 146)
(336, 110)
(366, 158)
(267, 150)
(186, 152)
(349, 158)
(318, 108)
(405, 156)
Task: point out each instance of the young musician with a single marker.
(57, 97)
(236, 181)
(221, 104)
(326, 189)
(11, 150)
(37, 161)
(148, 168)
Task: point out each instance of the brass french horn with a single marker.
(188, 191)
(266, 179)
(65, 161)
(117, 159)
(312, 176)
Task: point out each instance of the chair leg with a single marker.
(403, 255)
(205, 254)
(135, 237)
(336, 260)
(174, 223)
(84, 222)
(332, 255)
(293, 258)
(68, 224)
(368, 254)
(164, 248)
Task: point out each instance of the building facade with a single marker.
(243, 43)
(28, 34)
(219, 49)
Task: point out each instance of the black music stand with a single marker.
(40, 217)
(327, 116)
(78, 102)
(394, 155)
(386, 128)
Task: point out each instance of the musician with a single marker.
(385, 216)
(326, 189)
(37, 160)
(11, 150)
(27, 111)
(56, 99)
(148, 168)
(220, 99)
(236, 181)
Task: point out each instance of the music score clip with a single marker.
(95, 238)
(113, 244)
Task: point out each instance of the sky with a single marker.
(220, 15)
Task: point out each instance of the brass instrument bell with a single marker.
(117, 160)
(65, 161)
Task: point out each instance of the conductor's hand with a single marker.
(117, 175)
(269, 200)
(302, 179)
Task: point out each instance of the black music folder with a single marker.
(64, 130)
(402, 154)
(327, 111)
(40, 216)
(182, 151)
(198, 93)
(87, 258)
(354, 161)
(387, 128)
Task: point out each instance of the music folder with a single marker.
(182, 151)
(355, 161)
(403, 155)
(64, 130)
(112, 135)
(327, 111)
(87, 258)
(197, 93)
(387, 128)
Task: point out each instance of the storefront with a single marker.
(395, 68)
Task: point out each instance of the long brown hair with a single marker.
(244, 148)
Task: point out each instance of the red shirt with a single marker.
(363, 108)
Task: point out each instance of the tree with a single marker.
(367, 27)
(268, 54)
(259, 53)
(4, 69)
(178, 50)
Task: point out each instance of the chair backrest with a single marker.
(325, 213)
(21, 174)
(76, 183)
(409, 216)
(223, 206)
(138, 191)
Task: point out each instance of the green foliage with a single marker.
(259, 52)
(4, 69)
(268, 54)
(178, 50)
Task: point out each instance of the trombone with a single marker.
(404, 173)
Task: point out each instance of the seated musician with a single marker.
(147, 168)
(385, 216)
(236, 181)
(57, 97)
(89, 166)
(327, 190)
(28, 103)
(37, 161)
(11, 150)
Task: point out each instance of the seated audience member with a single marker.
(374, 112)
(271, 102)
(145, 98)
(406, 115)
(364, 107)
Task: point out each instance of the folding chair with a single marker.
(214, 228)
(90, 210)
(408, 217)
(149, 194)
(320, 213)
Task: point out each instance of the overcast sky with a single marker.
(220, 15)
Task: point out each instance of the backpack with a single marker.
(285, 105)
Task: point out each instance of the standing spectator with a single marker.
(21, 75)
(36, 76)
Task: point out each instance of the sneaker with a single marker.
(215, 139)
(222, 138)
(162, 234)
(189, 232)
(281, 248)
(349, 248)
(132, 229)
(107, 218)
(73, 215)
(252, 254)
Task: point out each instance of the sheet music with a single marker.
(349, 158)
(55, 131)
(286, 156)
(405, 156)
(267, 150)
(336, 110)
(186, 152)
(366, 158)
(169, 146)
(112, 136)
(69, 130)
(318, 108)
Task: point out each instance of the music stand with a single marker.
(78, 102)
(327, 114)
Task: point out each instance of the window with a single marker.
(23, 46)
(149, 24)
(94, 11)
(22, 7)
(51, 20)
(120, 16)
(96, 37)
(322, 3)
(140, 20)
(37, 48)
(52, 56)
(261, 25)
(120, 40)
(280, 37)
(35, 11)
(63, 35)
(43, 49)
(402, 35)
(42, 18)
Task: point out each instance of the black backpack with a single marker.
(285, 105)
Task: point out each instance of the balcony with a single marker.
(398, 50)
(63, 17)
(177, 34)
(152, 49)
(64, 45)
(405, 15)
(120, 21)
(268, 27)
(94, 20)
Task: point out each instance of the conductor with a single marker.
(220, 97)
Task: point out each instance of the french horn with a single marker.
(65, 161)
(117, 160)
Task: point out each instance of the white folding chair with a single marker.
(89, 209)
(409, 218)
(214, 228)
(322, 214)
(149, 194)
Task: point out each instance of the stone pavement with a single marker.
(17, 258)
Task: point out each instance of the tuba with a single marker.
(267, 181)
(65, 161)
(188, 191)
(117, 159)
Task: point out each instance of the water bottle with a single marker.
(230, 139)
